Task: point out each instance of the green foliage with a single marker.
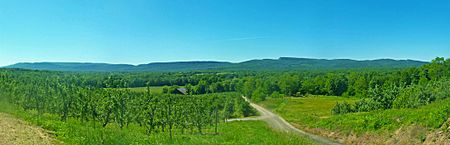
(74, 132)
(342, 108)
(63, 96)
(387, 93)
(368, 104)
(313, 112)
(165, 90)
(276, 95)
(305, 110)
(417, 95)
(201, 88)
(289, 84)
(104, 98)
(431, 116)
(336, 84)
(258, 95)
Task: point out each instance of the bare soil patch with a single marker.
(14, 131)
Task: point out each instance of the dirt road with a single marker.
(17, 132)
(279, 123)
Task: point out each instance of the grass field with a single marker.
(314, 114)
(153, 89)
(76, 132)
(304, 111)
(431, 116)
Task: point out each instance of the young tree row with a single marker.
(51, 93)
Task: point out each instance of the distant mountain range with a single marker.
(280, 64)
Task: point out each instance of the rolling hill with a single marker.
(282, 63)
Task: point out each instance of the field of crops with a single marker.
(74, 131)
(85, 115)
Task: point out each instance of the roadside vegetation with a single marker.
(426, 123)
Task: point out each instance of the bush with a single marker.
(276, 94)
(440, 89)
(414, 96)
(437, 118)
(298, 94)
(410, 97)
(383, 96)
(342, 108)
(258, 95)
(365, 105)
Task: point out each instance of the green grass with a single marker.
(315, 112)
(76, 132)
(431, 116)
(154, 89)
(304, 111)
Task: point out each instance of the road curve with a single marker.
(279, 123)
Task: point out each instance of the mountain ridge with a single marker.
(282, 63)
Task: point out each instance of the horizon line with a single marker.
(223, 61)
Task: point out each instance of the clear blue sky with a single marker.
(144, 31)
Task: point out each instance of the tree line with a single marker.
(260, 85)
(359, 83)
(425, 85)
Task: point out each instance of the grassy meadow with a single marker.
(313, 114)
(153, 89)
(304, 111)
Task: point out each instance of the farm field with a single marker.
(76, 132)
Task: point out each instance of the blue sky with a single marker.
(143, 31)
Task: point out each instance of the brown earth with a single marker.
(14, 131)
(410, 135)
(441, 136)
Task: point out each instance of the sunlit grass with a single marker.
(153, 89)
(315, 112)
(305, 110)
(77, 132)
(431, 116)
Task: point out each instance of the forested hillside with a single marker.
(281, 64)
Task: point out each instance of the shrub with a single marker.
(276, 94)
(365, 105)
(258, 95)
(414, 96)
(342, 108)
